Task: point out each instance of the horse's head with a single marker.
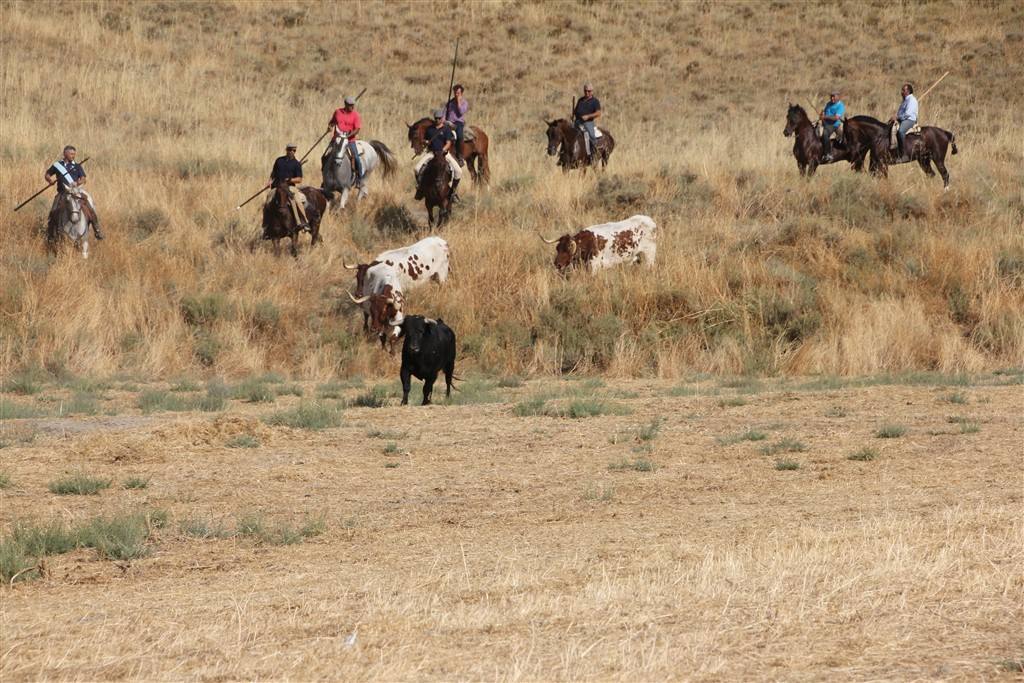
(794, 117)
(417, 135)
(71, 205)
(556, 135)
(276, 211)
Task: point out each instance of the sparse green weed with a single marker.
(865, 454)
(785, 465)
(890, 431)
(243, 441)
(783, 446)
(136, 482)
(311, 415)
(79, 485)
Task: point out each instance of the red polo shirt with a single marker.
(347, 121)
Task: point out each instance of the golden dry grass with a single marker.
(516, 548)
(463, 541)
(184, 106)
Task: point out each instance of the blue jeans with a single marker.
(590, 128)
(901, 134)
(354, 151)
(460, 128)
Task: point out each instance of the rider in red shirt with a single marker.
(346, 120)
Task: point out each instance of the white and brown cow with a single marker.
(381, 285)
(633, 240)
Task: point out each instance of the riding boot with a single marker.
(459, 159)
(96, 228)
(455, 186)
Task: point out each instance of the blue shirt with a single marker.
(73, 169)
(284, 170)
(835, 109)
(437, 137)
(908, 110)
(585, 107)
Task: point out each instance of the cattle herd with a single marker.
(429, 345)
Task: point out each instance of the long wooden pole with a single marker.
(451, 83)
(48, 186)
(933, 86)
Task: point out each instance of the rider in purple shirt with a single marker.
(455, 114)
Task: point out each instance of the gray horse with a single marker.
(68, 218)
(337, 168)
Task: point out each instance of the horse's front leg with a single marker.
(344, 198)
(84, 246)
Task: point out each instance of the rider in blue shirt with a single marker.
(831, 124)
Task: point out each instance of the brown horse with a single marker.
(279, 222)
(856, 143)
(473, 151)
(927, 147)
(436, 188)
(569, 143)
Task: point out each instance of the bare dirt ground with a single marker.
(466, 542)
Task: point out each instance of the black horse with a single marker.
(570, 144)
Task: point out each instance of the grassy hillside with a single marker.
(183, 107)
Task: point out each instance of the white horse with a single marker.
(337, 167)
(68, 218)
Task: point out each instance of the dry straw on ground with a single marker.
(486, 545)
(186, 105)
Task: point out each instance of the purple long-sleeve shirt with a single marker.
(456, 113)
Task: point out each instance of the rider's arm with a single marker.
(80, 182)
(50, 177)
(595, 116)
(295, 181)
(354, 132)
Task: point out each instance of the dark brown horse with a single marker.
(856, 143)
(436, 188)
(569, 143)
(279, 222)
(927, 147)
(473, 151)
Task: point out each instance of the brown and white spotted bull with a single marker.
(382, 284)
(633, 240)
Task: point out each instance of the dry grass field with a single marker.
(704, 530)
(790, 451)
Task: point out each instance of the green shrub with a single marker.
(749, 435)
(865, 454)
(204, 310)
(311, 415)
(638, 465)
(253, 390)
(159, 400)
(787, 465)
(266, 317)
(376, 397)
(5, 481)
(243, 441)
(784, 446)
(201, 528)
(136, 482)
(890, 431)
(79, 485)
(12, 410)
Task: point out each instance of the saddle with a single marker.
(894, 139)
(467, 132)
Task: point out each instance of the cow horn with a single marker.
(572, 246)
(360, 300)
(546, 240)
(348, 267)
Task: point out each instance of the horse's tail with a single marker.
(952, 142)
(387, 157)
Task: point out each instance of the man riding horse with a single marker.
(287, 173)
(455, 114)
(831, 125)
(346, 123)
(585, 113)
(440, 139)
(906, 117)
(70, 177)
